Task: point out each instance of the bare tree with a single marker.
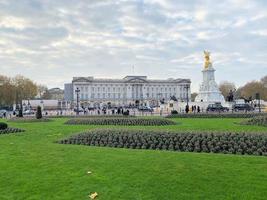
(226, 87)
(41, 90)
(250, 89)
(193, 96)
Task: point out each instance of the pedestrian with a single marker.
(186, 108)
(198, 109)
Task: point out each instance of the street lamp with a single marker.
(259, 101)
(42, 104)
(187, 98)
(77, 91)
(1, 84)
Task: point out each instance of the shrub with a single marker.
(20, 113)
(39, 112)
(174, 112)
(227, 143)
(3, 125)
(260, 121)
(121, 121)
(126, 113)
(216, 115)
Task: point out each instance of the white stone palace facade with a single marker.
(129, 90)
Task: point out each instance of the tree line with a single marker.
(15, 89)
(247, 91)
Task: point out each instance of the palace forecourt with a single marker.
(130, 90)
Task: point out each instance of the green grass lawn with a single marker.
(33, 166)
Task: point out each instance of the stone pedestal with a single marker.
(209, 91)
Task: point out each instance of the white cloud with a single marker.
(200, 15)
(40, 39)
(262, 32)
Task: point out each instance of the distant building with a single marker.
(56, 93)
(46, 104)
(68, 92)
(129, 90)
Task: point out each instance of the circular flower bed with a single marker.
(260, 121)
(228, 143)
(122, 121)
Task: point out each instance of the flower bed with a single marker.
(216, 115)
(122, 121)
(260, 121)
(89, 116)
(28, 119)
(10, 130)
(227, 143)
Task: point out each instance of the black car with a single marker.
(145, 109)
(242, 107)
(216, 108)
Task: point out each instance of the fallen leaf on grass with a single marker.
(93, 195)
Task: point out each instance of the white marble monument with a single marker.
(209, 91)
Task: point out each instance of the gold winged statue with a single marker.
(207, 59)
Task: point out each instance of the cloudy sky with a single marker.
(50, 41)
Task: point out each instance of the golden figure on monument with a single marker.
(207, 59)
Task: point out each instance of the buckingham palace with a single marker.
(129, 90)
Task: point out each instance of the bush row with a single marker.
(216, 115)
(227, 143)
(122, 121)
(89, 116)
(28, 119)
(260, 121)
(10, 130)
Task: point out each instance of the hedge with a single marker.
(260, 121)
(29, 120)
(10, 130)
(121, 121)
(216, 115)
(89, 116)
(227, 143)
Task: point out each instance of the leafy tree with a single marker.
(25, 88)
(14, 90)
(7, 91)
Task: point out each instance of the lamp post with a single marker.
(259, 101)
(77, 91)
(187, 98)
(1, 84)
(42, 104)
